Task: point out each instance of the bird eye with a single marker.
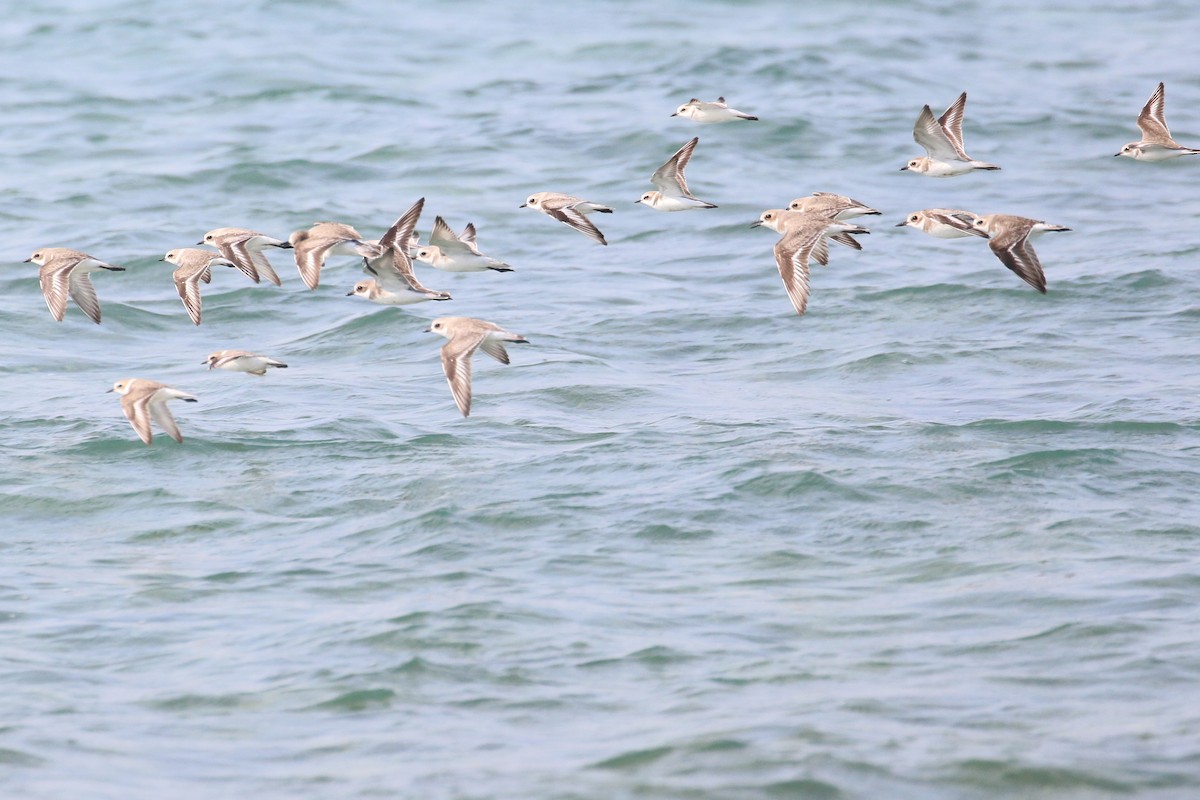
(912, 163)
(768, 216)
(36, 255)
(913, 218)
(437, 325)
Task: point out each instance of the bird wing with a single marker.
(310, 257)
(137, 411)
(84, 294)
(188, 287)
(55, 279)
(456, 363)
(157, 404)
(1153, 121)
(791, 256)
(1014, 251)
(929, 134)
(495, 349)
(570, 216)
(393, 271)
(447, 241)
(468, 234)
(669, 178)
(959, 220)
(951, 122)
(253, 263)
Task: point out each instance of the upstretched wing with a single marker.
(669, 178)
(951, 122)
(928, 133)
(1153, 121)
(445, 239)
(393, 268)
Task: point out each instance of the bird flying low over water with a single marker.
(569, 210)
(944, 223)
(452, 252)
(942, 139)
(710, 113)
(66, 272)
(1156, 143)
(467, 335)
(244, 247)
(804, 237)
(393, 282)
(1010, 241)
(673, 193)
(144, 400)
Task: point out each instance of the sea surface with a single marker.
(937, 539)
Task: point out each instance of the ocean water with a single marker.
(936, 539)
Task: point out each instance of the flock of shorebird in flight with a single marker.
(805, 229)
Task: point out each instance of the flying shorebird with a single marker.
(452, 252)
(313, 246)
(65, 272)
(778, 219)
(393, 282)
(1156, 143)
(673, 194)
(144, 400)
(1010, 236)
(467, 335)
(244, 248)
(837, 205)
(804, 237)
(194, 265)
(944, 223)
(569, 210)
(710, 113)
(943, 143)
(242, 361)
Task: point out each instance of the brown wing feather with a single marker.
(791, 257)
(456, 363)
(1015, 252)
(579, 222)
(1153, 121)
(137, 411)
(84, 295)
(55, 287)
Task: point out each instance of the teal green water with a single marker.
(936, 539)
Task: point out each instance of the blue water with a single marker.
(935, 539)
